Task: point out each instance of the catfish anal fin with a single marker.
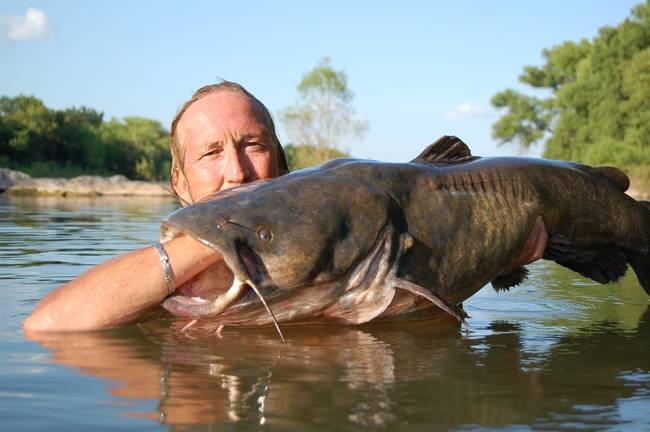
(506, 281)
(603, 265)
(607, 265)
(443, 304)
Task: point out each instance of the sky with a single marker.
(418, 70)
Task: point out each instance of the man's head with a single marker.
(222, 137)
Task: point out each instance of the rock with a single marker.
(21, 184)
(10, 177)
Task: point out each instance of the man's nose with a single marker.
(235, 171)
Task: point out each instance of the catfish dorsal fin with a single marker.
(446, 149)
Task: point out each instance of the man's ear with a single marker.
(181, 187)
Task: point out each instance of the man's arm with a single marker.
(121, 289)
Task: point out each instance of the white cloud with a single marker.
(467, 110)
(34, 25)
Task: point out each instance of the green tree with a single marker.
(74, 141)
(304, 156)
(322, 118)
(592, 100)
(151, 142)
(28, 129)
(136, 147)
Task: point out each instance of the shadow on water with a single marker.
(404, 375)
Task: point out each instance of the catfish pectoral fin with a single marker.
(443, 304)
(506, 281)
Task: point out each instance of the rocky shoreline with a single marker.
(18, 183)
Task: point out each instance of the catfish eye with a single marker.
(222, 222)
(264, 235)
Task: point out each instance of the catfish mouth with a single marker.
(249, 274)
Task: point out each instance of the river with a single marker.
(557, 353)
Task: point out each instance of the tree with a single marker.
(29, 128)
(137, 147)
(592, 102)
(323, 116)
(74, 141)
(76, 138)
(304, 156)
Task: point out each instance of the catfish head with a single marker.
(294, 241)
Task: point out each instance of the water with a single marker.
(558, 353)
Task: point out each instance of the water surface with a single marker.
(558, 353)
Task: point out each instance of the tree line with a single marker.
(591, 99)
(75, 141)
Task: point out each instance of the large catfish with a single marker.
(356, 240)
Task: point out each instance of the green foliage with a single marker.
(75, 141)
(324, 81)
(27, 128)
(527, 120)
(323, 115)
(41, 168)
(304, 156)
(593, 99)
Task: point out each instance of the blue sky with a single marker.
(418, 69)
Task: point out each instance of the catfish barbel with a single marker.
(356, 240)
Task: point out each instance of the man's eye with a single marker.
(255, 147)
(210, 153)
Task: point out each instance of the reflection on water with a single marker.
(556, 353)
(378, 375)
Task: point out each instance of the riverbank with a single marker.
(18, 183)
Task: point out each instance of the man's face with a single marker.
(225, 143)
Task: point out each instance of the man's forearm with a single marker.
(119, 290)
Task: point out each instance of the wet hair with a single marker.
(178, 153)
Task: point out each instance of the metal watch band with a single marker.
(167, 268)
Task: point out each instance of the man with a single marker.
(221, 138)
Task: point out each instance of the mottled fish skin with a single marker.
(320, 242)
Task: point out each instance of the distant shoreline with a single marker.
(18, 183)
